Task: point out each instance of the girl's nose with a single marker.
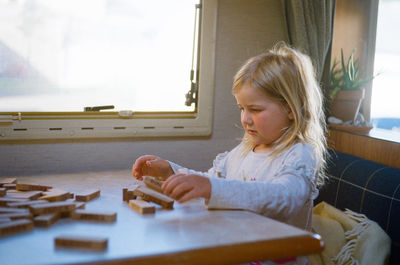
(246, 118)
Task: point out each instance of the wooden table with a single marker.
(188, 234)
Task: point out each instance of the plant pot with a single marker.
(346, 104)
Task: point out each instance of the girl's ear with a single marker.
(290, 113)
(291, 117)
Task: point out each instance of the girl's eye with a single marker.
(255, 110)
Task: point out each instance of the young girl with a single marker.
(276, 169)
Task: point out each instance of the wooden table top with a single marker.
(188, 234)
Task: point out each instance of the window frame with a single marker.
(117, 124)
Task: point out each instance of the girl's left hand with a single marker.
(183, 187)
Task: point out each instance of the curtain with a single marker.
(310, 25)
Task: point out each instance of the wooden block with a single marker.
(13, 210)
(66, 214)
(142, 207)
(154, 196)
(5, 220)
(51, 207)
(55, 195)
(8, 181)
(96, 243)
(5, 200)
(94, 216)
(127, 195)
(27, 187)
(10, 186)
(16, 216)
(24, 204)
(153, 183)
(78, 205)
(29, 195)
(87, 195)
(3, 192)
(15, 227)
(46, 220)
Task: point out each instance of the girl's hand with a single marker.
(149, 165)
(183, 187)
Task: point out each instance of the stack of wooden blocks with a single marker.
(25, 205)
(140, 198)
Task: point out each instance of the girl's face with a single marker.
(264, 119)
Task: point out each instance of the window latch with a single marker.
(9, 119)
(98, 108)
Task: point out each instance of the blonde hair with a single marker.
(288, 76)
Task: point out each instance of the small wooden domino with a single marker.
(46, 220)
(66, 214)
(94, 216)
(5, 220)
(15, 227)
(87, 195)
(24, 204)
(16, 216)
(29, 195)
(8, 181)
(154, 196)
(80, 205)
(3, 192)
(142, 207)
(153, 183)
(68, 241)
(55, 195)
(51, 207)
(10, 186)
(13, 210)
(27, 187)
(4, 201)
(127, 195)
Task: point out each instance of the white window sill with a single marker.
(387, 135)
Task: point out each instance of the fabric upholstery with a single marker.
(366, 187)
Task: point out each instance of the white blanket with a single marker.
(350, 238)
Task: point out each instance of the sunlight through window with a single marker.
(58, 55)
(385, 107)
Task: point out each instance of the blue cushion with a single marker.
(366, 187)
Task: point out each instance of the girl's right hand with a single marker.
(149, 165)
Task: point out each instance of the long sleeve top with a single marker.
(282, 188)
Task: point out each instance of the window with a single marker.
(142, 57)
(385, 108)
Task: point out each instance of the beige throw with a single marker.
(350, 238)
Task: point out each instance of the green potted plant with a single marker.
(346, 88)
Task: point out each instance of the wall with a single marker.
(245, 28)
